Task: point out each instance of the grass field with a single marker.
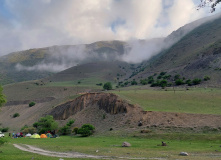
(194, 100)
(198, 146)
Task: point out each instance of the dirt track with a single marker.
(36, 150)
(29, 148)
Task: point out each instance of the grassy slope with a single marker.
(195, 100)
(93, 73)
(31, 57)
(197, 54)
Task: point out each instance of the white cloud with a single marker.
(41, 23)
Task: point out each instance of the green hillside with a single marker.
(92, 73)
(196, 55)
(32, 60)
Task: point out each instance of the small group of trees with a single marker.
(47, 123)
(165, 80)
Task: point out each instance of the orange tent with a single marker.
(43, 136)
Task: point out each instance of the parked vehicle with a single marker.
(2, 134)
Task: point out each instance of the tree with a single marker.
(45, 124)
(86, 130)
(107, 86)
(65, 130)
(211, 3)
(196, 81)
(179, 82)
(16, 115)
(2, 97)
(134, 82)
(163, 83)
(143, 81)
(31, 104)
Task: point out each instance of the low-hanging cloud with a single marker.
(35, 24)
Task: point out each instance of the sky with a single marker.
(26, 24)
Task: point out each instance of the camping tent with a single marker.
(43, 136)
(49, 135)
(35, 136)
(28, 135)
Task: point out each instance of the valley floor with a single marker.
(198, 146)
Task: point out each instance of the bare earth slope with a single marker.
(106, 111)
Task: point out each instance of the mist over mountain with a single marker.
(38, 63)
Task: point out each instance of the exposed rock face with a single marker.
(105, 101)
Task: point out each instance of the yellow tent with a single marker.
(43, 136)
(35, 136)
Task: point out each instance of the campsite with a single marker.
(198, 146)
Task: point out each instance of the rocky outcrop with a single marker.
(108, 102)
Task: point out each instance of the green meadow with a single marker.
(194, 100)
(199, 146)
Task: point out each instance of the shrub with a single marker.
(4, 129)
(126, 83)
(166, 77)
(189, 82)
(16, 115)
(159, 77)
(69, 123)
(162, 73)
(179, 82)
(86, 130)
(107, 86)
(143, 81)
(163, 83)
(25, 126)
(133, 82)
(150, 81)
(27, 130)
(75, 130)
(99, 84)
(65, 130)
(176, 77)
(196, 81)
(206, 78)
(31, 104)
